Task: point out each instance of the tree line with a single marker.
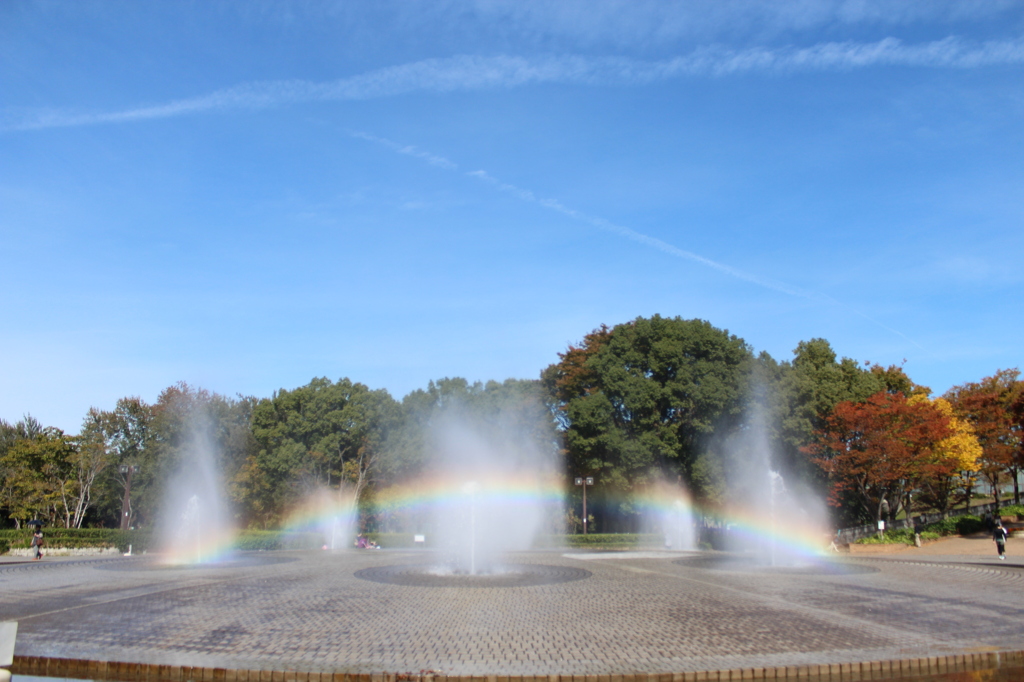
(653, 399)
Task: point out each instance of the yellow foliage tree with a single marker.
(963, 446)
(953, 459)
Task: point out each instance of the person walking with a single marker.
(999, 535)
(37, 543)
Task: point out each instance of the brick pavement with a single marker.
(636, 612)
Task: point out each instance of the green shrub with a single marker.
(968, 525)
(267, 540)
(612, 540)
(254, 540)
(957, 525)
(5, 546)
(900, 536)
(1012, 510)
(943, 527)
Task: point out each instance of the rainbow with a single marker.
(442, 492)
(753, 528)
(320, 511)
(333, 512)
(206, 547)
(759, 530)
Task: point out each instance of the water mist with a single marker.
(667, 510)
(498, 492)
(778, 521)
(195, 524)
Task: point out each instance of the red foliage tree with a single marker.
(571, 377)
(988, 406)
(878, 450)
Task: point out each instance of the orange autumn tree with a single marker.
(877, 450)
(1017, 416)
(571, 377)
(988, 406)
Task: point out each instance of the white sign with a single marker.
(881, 525)
(419, 538)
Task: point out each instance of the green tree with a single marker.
(322, 434)
(91, 459)
(645, 398)
(11, 472)
(181, 418)
(41, 478)
(804, 393)
(516, 407)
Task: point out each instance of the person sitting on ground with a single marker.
(999, 535)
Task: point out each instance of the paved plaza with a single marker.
(577, 613)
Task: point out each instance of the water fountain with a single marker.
(771, 523)
(494, 491)
(328, 513)
(667, 511)
(499, 494)
(195, 526)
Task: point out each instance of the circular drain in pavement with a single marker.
(512, 575)
(741, 563)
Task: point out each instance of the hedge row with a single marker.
(141, 540)
(254, 540)
(902, 536)
(79, 538)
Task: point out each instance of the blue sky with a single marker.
(245, 196)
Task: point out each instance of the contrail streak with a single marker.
(408, 150)
(470, 73)
(528, 196)
(639, 237)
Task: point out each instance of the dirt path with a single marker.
(980, 546)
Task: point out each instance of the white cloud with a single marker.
(640, 24)
(468, 73)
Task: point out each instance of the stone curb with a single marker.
(834, 672)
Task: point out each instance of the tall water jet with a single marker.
(667, 510)
(499, 492)
(776, 523)
(195, 526)
(329, 513)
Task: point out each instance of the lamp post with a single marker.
(585, 481)
(126, 503)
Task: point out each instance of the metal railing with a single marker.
(848, 535)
